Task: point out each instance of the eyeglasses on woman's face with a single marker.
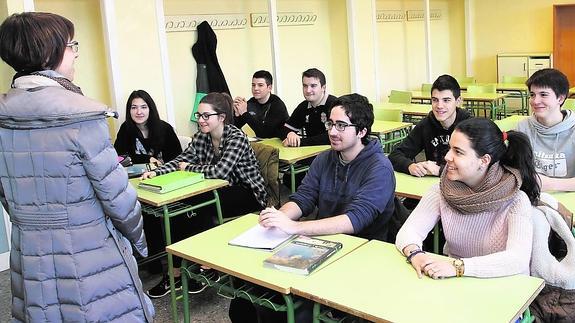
(74, 45)
(205, 115)
(339, 125)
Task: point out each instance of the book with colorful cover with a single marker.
(171, 181)
(302, 255)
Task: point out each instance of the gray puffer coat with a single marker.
(74, 215)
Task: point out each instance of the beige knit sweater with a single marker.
(491, 244)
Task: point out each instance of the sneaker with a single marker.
(195, 287)
(163, 287)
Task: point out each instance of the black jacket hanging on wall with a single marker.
(210, 77)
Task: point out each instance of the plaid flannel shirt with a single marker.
(237, 163)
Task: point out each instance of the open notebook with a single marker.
(259, 237)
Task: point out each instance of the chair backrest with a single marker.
(475, 88)
(426, 88)
(569, 104)
(514, 79)
(400, 96)
(489, 88)
(465, 80)
(388, 114)
(268, 160)
(248, 130)
(184, 141)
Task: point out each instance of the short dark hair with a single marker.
(34, 41)
(262, 74)
(359, 111)
(222, 103)
(315, 73)
(550, 78)
(486, 138)
(447, 82)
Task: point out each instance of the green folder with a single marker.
(171, 181)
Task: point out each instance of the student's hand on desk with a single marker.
(418, 169)
(148, 175)
(272, 218)
(183, 165)
(292, 140)
(433, 267)
(431, 167)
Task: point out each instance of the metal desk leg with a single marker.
(316, 312)
(170, 263)
(185, 296)
(290, 312)
(218, 207)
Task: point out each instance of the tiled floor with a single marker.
(207, 306)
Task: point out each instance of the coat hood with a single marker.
(567, 123)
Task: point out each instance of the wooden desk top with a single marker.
(567, 198)
(521, 87)
(157, 199)
(413, 187)
(479, 97)
(381, 127)
(381, 286)
(211, 248)
(292, 155)
(416, 109)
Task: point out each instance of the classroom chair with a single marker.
(268, 160)
(388, 114)
(514, 79)
(569, 104)
(426, 87)
(480, 88)
(184, 141)
(400, 96)
(465, 80)
(248, 130)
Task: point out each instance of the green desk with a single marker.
(168, 205)
(291, 155)
(516, 90)
(496, 101)
(412, 112)
(390, 132)
(382, 287)
(210, 248)
(567, 198)
(413, 187)
(509, 123)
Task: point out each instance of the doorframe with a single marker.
(570, 73)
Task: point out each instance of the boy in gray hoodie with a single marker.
(551, 130)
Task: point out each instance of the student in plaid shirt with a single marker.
(218, 150)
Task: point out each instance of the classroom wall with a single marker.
(243, 51)
(507, 26)
(402, 45)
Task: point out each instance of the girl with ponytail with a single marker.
(484, 201)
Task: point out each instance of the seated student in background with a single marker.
(352, 185)
(551, 130)
(265, 112)
(432, 133)
(484, 200)
(305, 126)
(144, 136)
(218, 150)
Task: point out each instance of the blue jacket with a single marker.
(363, 190)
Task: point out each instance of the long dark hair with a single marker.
(487, 138)
(153, 122)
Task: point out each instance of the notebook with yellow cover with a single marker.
(171, 181)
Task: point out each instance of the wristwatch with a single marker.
(459, 267)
